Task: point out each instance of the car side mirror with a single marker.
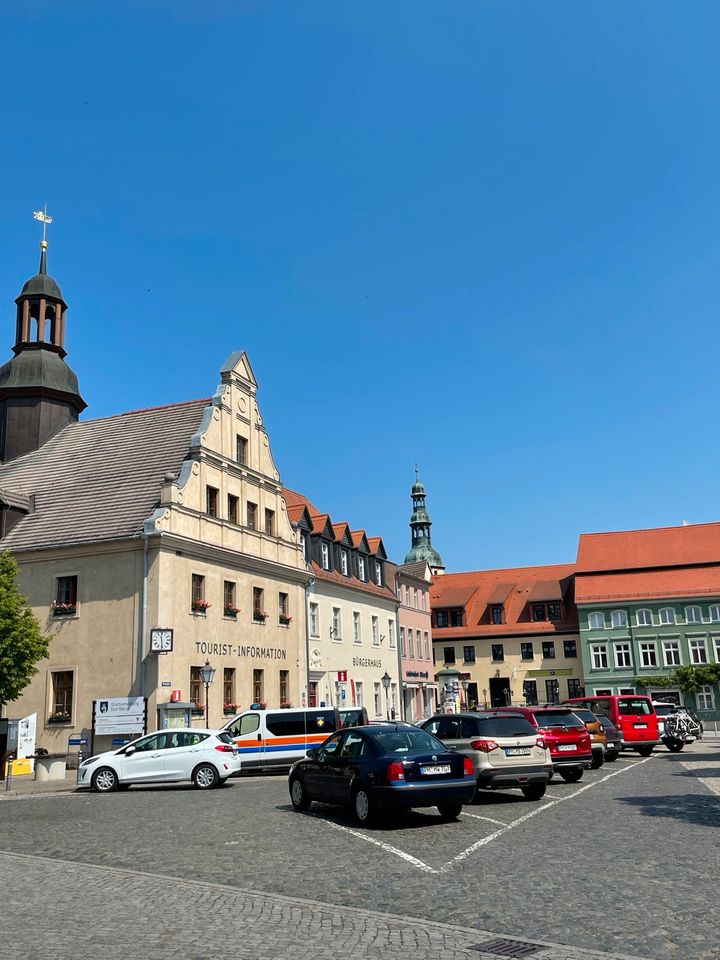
(321, 755)
(129, 751)
(312, 754)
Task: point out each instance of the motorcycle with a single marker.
(678, 730)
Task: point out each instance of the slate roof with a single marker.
(474, 591)
(99, 480)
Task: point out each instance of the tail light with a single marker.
(540, 742)
(224, 748)
(468, 769)
(484, 746)
(395, 771)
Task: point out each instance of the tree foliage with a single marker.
(22, 642)
(689, 679)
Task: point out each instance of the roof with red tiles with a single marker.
(643, 549)
(475, 591)
(293, 499)
(667, 584)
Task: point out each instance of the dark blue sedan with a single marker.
(383, 767)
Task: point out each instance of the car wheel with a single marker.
(675, 746)
(205, 777)
(572, 775)
(533, 791)
(610, 757)
(363, 806)
(105, 780)
(598, 760)
(552, 774)
(298, 795)
(449, 811)
(645, 751)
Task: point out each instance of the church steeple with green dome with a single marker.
(420, 523)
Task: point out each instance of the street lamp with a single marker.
(386, 683)
(465, 690)
(208, 675)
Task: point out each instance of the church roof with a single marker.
(39, 368)
(98, 480)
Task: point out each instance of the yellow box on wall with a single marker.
(22, 767)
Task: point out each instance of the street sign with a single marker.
(77, 741)
(119, 742)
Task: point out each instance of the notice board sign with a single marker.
(119, 715)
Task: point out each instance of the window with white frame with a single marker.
(599, 657)
(325, 556)
(357, 636)
(375, 632)
(415, 598)
(418, 645)
(618, 618)
(671, 653)
(704, 698)
(337, 623)
(693, 614)
(715, 612)
(648, 655)
(391, 634)
(717, 648)
(411, 643)
(361, 568)
(402, 641)
(596, 621)
(378, 573)
(667, 616)
(427, 646)
(344, 562)
(359, 693)
(622, 655)
(314, 621)
(698, 651)
(643, 618)
(393, 700)
(378, 700)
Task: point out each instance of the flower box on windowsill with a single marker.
(285, 621)
(197, 712)
(259, 616)
(199, 607)
(59, 718)
(63, 609)
(231, 612)
(230, 709)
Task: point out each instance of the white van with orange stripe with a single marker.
(277, 738)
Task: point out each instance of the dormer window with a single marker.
(344, 562)
(325, 556)
(378, 574)
(497, 613)
(441, 618)
(456, 618)
(361, 568)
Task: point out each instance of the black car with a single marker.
(383, 767)
(613, 736)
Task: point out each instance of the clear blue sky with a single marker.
(480, 235)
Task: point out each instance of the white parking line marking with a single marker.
(476, 816)
(533, 813)
(387, 847)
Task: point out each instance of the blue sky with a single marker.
(480, 235)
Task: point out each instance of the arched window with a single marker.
(667, 615)
(644, 618)
(693, 614)
(596, 621)
(715, 611)
(619, 618)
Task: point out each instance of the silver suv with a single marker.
(505, 749)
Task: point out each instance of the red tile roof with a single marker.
(293, 499)
(320, 522)
(358, 536)
(295, 512)
(667, 584)
(339, 529)
(641, 549)
(516, 586)
(374, 543)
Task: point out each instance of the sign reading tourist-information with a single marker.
(119, 715)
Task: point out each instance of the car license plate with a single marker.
(567, 746)
(435, 769)
(517, 751)
(640, 726)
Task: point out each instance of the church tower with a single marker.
(420, 523)
(38, 391)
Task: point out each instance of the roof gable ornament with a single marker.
(238, 367)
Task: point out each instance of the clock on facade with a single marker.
(161, 640)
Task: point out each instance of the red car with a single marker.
(565, 735)
(633, 714)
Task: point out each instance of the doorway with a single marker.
(500, 692)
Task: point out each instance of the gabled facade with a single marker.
(419, 689)
(648, 602)
(510, 635)
(351, 615)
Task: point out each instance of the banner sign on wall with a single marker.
(119, 715)
(26, 736)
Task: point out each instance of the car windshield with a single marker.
(395, 740)
(587, 716)
(558, 718)
(631, 706)
(607, 723)
(505, 727)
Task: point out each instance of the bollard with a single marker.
(8, 771)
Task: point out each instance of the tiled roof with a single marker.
(417, 570)
(358, 536)
(677, 582)
(640, 549)
(479, 586)
(320, 521)
(99, 480)
(339, 529)
(294, 499)
(374, 543)
(353, 583)
(295, 512)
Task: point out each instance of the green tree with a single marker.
(689, 679)
(22, 642)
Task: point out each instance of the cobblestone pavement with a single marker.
(623, 863)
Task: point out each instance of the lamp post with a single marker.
(208, 675)
(385, 679)
(465, 690)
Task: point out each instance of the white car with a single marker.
(206, 757)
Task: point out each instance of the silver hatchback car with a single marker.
(505, 749)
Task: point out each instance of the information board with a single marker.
(119, 715)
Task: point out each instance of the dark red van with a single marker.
(565, 736)
(632, 713)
